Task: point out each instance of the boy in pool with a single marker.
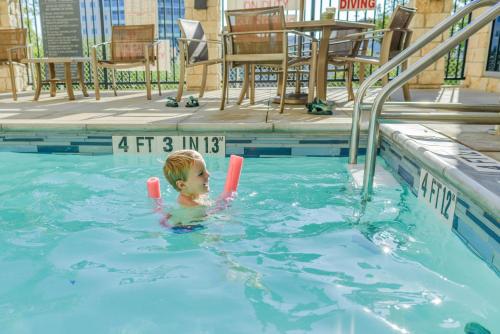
(186, 171)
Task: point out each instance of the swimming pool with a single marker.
(82, 252)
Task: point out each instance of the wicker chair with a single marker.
(13, 50)
(395, 38)
(258, 37)
(131, 46)
(193, 51)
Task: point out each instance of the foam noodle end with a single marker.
(153, 184)
(233, 174)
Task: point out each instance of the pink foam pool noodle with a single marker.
(153, 184)
(233, 174)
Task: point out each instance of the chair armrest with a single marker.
(226, 34)
(199, 40)
(100, 44)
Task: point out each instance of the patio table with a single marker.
(326, 27)
(51, 61)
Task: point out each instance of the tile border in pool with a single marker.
(408, 149)
(245, 144)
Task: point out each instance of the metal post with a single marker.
(482, 20)
(403, 55)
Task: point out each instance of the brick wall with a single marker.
(210, 20)
(429, 14)
(10, 18)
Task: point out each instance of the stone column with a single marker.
(429, 14)
(210, 20)
(475, 66)
(10, 17)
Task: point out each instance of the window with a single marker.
(493, 61)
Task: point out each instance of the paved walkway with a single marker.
(130, 111)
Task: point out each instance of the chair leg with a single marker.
(79, 67)
(158, 79)
(13, 80)
(203, 80)
(283, 86)
(280, 83)
(244, 88)
(350, 91)
(95, 74)
(252, 84)
(38, 88)
(182, 73)
(361, 73)
(312, 73)
(224, 86)
(406, 86)
(113, 79)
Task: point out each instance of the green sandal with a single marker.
(318, 107)
(171, 102)
(192, 102)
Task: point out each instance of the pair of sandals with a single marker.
(318, 107)
(192, 102)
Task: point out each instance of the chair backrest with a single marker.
(400, 21)
(127, 42)
(347, 49)
(196, 51)
(10, 38)
(256, 19)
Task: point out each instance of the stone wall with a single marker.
(429, 14)
(210, 20)
(10, 18)
(475, 67)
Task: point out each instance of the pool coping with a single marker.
(417, 141)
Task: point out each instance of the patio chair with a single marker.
(13, 50)
(257, 36)
(131, 46)
(393, 39)
(193, 51)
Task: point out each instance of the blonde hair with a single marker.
(177, 166)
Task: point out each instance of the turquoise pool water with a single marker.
(81, 251)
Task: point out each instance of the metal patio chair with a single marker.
(193, 51)
(13, 50)
(393, 39)
(131, 46)
(258, 36)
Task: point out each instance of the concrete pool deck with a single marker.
(130, 111)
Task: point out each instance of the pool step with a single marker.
(383, 178)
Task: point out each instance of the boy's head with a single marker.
(185, 170)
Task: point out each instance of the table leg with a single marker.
(323, 63)
(79, 66)
(69, 80)
(38, 86)
(52, 73)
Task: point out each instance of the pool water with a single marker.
(81, 251)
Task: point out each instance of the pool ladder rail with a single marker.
(488, 114)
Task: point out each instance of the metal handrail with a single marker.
(485, 18)
(397, 60)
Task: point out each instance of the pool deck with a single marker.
(130, 111)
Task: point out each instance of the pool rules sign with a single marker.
(357, 4)
(439, 197)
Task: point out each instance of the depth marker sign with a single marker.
(357, 4)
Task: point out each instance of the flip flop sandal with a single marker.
(171, 102)
(192, 102)
(320, 108)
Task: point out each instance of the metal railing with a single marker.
(376, 111)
